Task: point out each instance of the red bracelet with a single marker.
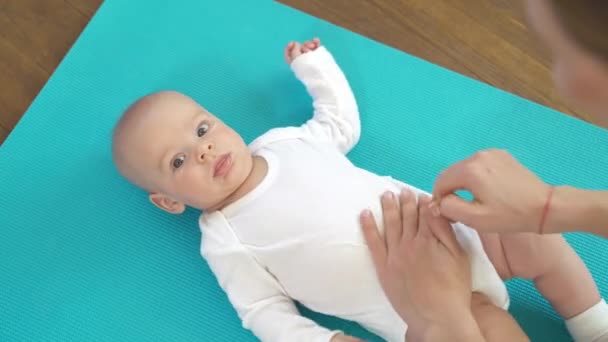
(543, 218)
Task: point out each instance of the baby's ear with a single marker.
(166, 203)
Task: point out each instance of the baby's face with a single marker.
(188, 155)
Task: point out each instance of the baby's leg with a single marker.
(495, 323)
(557, 271)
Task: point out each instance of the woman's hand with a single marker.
(507, 196)
(423, 270)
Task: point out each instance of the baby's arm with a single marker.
(258, 298)
(336, 116)
(559, 275)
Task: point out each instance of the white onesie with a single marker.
(297, 236)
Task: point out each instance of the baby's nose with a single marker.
(205, 149)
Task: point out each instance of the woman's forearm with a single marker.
(573, 209)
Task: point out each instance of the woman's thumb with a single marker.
(456, 209)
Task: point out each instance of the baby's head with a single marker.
(170, 146)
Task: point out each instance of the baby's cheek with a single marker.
(190, 186)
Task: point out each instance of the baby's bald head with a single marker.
(169, 145)
(141, 126)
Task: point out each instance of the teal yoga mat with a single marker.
(84, 256)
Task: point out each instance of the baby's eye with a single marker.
(178, 162)
(202, 129)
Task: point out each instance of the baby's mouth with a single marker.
(222, 165)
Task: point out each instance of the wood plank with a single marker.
(86, 8)
(34, 37)
(21, 79)
(42, 30)
(3, 134)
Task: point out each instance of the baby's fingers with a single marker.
(287, 52)
(295, 51)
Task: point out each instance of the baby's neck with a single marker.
(259, 169)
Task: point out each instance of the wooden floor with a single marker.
(484, 39)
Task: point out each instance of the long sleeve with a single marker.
(258, 298)
(591, 325)
(336, 116)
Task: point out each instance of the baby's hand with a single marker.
(294, 49)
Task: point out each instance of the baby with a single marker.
(280, 218)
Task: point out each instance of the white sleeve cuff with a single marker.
(590, 325)
(318, 57)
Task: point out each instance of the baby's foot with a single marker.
(294, 49)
